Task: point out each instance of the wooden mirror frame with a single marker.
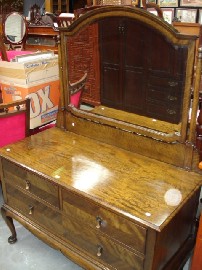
(177, 146)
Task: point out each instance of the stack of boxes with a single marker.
(37, 80)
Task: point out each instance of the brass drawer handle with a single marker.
(99, 222)
(172, 98)
(99, 250)
(171, 111)
(172, 84)
(31, 208)
(28, 185)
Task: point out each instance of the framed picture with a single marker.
(190, 3)
(186, 15)
(168, 14)
(168, 3)
(149, 1)
(200, 16)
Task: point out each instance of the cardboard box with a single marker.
(34, 72)
(38, 80)
(44, 100)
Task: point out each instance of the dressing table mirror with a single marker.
(142, 79)
(15, 29)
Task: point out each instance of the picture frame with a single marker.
(200, 16)
(168, 14)
(186, 15)
(167, 3)
(149, 1)
(190, 3)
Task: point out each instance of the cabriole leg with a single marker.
(9, 221)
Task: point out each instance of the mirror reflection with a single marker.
(15, 28)
(136, 79)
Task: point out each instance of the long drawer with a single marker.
(34, 210)
(100, 247)
(31, 182)
(108, 252)
(105, 221)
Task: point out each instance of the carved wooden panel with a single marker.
(83, 56)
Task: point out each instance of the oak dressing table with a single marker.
(116, 187)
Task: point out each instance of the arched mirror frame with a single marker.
(186, 137)
(22, 40)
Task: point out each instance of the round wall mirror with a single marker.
(15, 28)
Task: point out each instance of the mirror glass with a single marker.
(137, 80)
(14, 28)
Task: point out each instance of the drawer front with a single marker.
(102, 220)
(169, 112)
(166, 97)
(33, 183)
(34, 210)
(101, 248)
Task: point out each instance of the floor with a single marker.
(30, 253)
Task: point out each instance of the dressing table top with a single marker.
(137, 187)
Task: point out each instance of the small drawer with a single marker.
(159, 96)
(164, 82)
(164, 112)
(31, 182)
(107, 222)
(103, 249)
(34, 210)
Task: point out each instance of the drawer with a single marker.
(165, 82)
(33, 183)
(167, 96)
(103, 249)
(164, 89)
(165, 112)
(107, 222)
(34, 210)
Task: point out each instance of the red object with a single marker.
(75, 99)
(12, 129)
(13, 54)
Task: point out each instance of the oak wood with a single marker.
(77, 166)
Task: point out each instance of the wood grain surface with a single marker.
(138, 187)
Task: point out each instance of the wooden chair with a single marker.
(14, 121)
(64, 21)
(76, 91)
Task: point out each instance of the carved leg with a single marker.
(9, 221)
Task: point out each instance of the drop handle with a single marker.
(171, 111)
(172, 83)
(172, 98)
(99, 222)
(27, 185)
(99, 250)
(31, 208)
